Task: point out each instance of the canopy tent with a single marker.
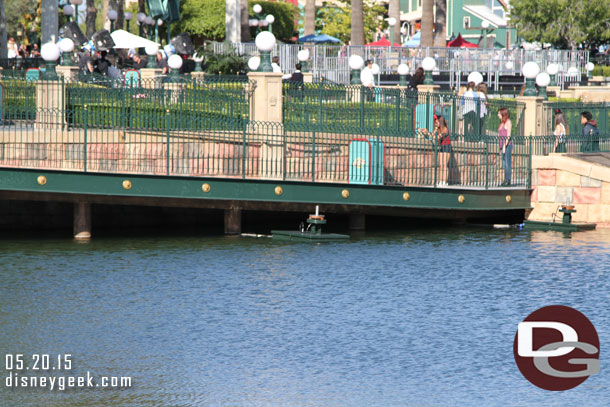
(126, 40)
(322, 38)
(307, 38)
(414, 41)
(460, 42)
(382, 43)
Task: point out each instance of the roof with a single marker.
(485, 14)
(412, 16)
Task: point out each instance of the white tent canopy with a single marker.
(126, 40)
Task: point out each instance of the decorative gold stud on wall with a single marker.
(279, 190)
(206, 187)
(41, 180)
(345, 193)
(127, 184)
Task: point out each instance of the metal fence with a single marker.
(572, 111)
(331, 61)
(574, 143)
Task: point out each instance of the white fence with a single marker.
(331, 61)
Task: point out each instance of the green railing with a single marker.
(575, 143)
(572, 111)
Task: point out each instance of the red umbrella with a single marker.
(382, 43)
(459, 42)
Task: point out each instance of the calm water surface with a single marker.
(419, 318)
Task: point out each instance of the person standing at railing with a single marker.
(417, 78)
(506, 144)
(367, 78)
(482, 107)
(469, 110)
(561, 132)
(590, 134)
(275, 64)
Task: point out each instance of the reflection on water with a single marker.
(423, 318)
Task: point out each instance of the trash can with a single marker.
(366, 161)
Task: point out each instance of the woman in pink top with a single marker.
(506, 144)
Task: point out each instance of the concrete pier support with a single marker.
(232, 221)
(357, 221)
(82, 220)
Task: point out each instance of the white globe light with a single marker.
(66, 45)
(573, 71)
(175, 61)
(475, 77)
(257, 8)
(76, 2)
(150, 21)
(159, 22)
(49, 51)
(530, 70)
(375, 69)
(552, 69)
(112, 14)
(270, 19)
(303, 55)
(265, 41)
(128, 16)
(253, 22)
(141, 17)
(254, 63)
(485, 24)
(263, 23)
(543, 79)
(403, 69)
(356, 62)
(391, 21)
(68, 10)
(428, 64)
(509, 65)
(151, 49)
(590, 66)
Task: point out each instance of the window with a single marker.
(466, 22)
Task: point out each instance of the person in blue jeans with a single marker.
(506, 144)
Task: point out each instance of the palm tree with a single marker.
(90, 19)
(357, 37)
(310, 17)
(244, 20)
(3, 50)
(427, 21)
(394, 11)
(440, 24)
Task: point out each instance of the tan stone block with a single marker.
(590, 182)
(573, 165)
(599, 172)
(542, 211)
(587, 195)
(547, 177)
(567, 179)
(605, 192)
(598, 213)
(534, 196)
(564, 194)
(546, 194)
(581, 214)
(542, 161)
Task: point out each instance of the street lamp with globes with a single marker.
(265, 41)
(403, 70)
(303, 56)
(50, 54)
(140, 19)
(428, 64)
(391, 23)
(356, 63)
(66, 47)
(76, 3)
(112, 15)
(128, 17)
(530, 70)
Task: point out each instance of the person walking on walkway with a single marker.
(561, 132)
(506, 144)
(469, 111)
(590, 134)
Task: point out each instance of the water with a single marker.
(420, 318)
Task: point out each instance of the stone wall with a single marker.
(559, 179)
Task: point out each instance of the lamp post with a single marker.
(159, 24)
(403, 70)
(552, 70)
(590, 67)
(254, 63)
(150, 22)
(151, 50)
(128, 17)
(303, 56)
(484, 26)
(542, 80)
(175, 63)
(475, 77)
(356, 63)
(66, 47)
(259, 20)
(112, 15)
(140, 19)
(76, 3)
(428, 64)
(68, 11)
(391, 23)
(530, 70)
(265, 41)
(270, 19)
(50, 54)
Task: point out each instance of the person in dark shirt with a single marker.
(102, 64)
(417, 79)
(297, 75)
(162, 63)
(84, 61)
(138, 63)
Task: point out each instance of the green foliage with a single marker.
(284, 13)
(563, 23)
(601, 71)
(335, 19)
(203, 19)
(224, 64)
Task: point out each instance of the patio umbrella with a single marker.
(307, 38)
(460, 42)
(318, 39)
(414, 41)
(382, 43)
(126, 40)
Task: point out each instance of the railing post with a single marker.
(398, 100)
(529, 164)
(244, 151)
(313, 153)
(486, 162)
(85, 137)
(168, 145)
(362, 90)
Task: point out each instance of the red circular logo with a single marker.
(556, 348)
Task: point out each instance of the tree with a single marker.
(562, 23)
(440, 24)
(90, 19)
(244, 21)
(335, 19)
(310, 17)
(427, 21)
(357, 23)
(3, 39)
(394, 11)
